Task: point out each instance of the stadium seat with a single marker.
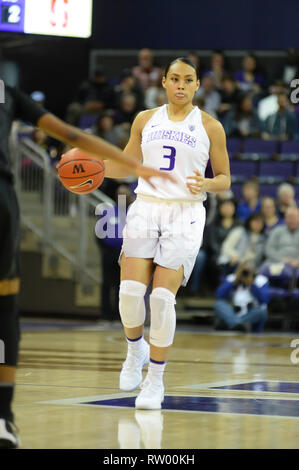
(233, 145)
(274, 171)
(268, 190)
(290, 146)
(256, 156)
(280, 275)
(279, 289)
(261, 146)
(242, 170)
(237, 190)
(87, 121)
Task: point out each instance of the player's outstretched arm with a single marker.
(74, 137)
(112, 168)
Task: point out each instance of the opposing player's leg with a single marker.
(9, 329)
(9, 315)
(136, 274)
(166, 283)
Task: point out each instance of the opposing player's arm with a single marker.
(112, 168)
(98, 147)
(219, 159)
(74, 137)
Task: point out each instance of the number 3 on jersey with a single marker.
(171, 157)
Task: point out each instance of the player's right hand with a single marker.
(147, 173)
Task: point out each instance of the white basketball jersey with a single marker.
(175, 147)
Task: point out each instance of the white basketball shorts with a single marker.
(169, 232)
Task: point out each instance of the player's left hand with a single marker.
(198, 184)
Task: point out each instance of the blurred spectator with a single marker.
(128, 84)
(243, 121)
(225, 221)
(93, 96)
(145, 72)
(106, 129)
(281, 125)
(199, 267)
(269, 105)
(52, 146)
(96, 93)
(152, 93)
(199, 101)
(223, 195)
(230, 96)
(109, 237)
(283, 243)
(243, 244)
(285, 198)
(210, 205)
(268, 211)
(127, 111)
(162, 98)
(40, 138)
(217, 68)
(250, 202)
(214, 235)
(242, 300)
(195, 59)
(290, 68)
(250, 79)
(211, 97)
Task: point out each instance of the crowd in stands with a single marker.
(249, 102)
(250, 227)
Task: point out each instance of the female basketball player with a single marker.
(164, 226)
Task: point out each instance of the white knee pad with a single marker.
(131, 303)
(163, 318)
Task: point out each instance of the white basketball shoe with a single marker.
(152, 394)
(8, 437)
(131, 373)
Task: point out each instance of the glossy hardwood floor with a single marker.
(67, 392)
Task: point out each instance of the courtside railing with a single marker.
(63, 222)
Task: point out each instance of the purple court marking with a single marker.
(252, 406)
(264, 386)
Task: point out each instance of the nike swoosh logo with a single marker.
(156, 125)
(193, 222)
(81, 185)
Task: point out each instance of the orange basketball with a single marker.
(80, 172)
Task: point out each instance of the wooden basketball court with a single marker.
(223, 390)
